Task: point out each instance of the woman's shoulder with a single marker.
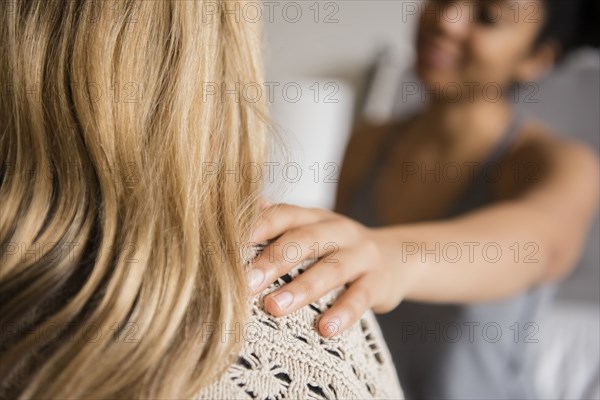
(285, 357)
(540, 151)
(535, 134)
(367, 136)
(361, 151)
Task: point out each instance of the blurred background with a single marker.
(331, 62)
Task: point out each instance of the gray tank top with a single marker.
(453, 351)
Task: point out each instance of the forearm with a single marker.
(487, 255)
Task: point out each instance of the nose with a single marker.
(453, 18)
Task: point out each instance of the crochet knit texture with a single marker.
(285, 357)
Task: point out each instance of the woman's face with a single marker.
(476, 42)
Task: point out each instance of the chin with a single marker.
(433, 77)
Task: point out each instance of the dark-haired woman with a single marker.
(467, 212)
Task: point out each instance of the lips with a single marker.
(437, 56)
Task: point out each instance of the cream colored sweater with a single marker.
(285, 357)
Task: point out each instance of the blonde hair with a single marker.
(119, 248)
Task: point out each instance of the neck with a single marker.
(467, 123)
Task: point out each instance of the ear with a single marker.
(539, 62)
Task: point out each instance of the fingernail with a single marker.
(333, 325)
(255, 278)
(283, 299)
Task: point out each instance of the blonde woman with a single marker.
(123, 273)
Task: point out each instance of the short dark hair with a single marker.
(571, 23)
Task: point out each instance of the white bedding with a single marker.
(568, 364)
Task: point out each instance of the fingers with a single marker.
(294, 247)
(304, 233)
(279, 218)
(314, 283)
(348, 308)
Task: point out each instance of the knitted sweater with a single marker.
(285, 357)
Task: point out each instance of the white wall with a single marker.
(343, 40)
(323, 48)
